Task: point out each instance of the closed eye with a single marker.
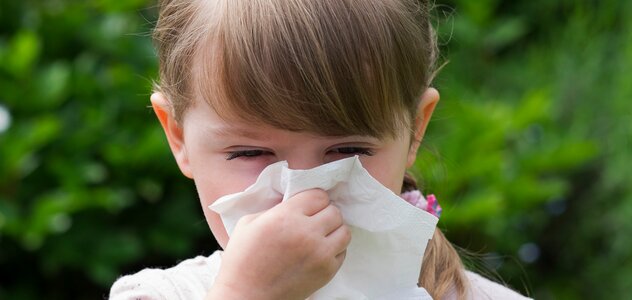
(352, 151)
(246, 154)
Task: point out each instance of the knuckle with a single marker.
(282, 220)
(318, 195)
(341, 257)
(332, 267)
(272, 222)
(337, 213)
(346, 234)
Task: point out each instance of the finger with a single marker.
(339, 259)
(328, 219)
(341, 256)
(309, 202)
(339, 239)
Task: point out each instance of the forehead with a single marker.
(206, 123)
(201, 116)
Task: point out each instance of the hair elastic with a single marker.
(429, 204)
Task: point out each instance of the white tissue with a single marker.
(389, 235)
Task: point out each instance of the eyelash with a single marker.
(245, 154)
(251, 154)
(354, 150)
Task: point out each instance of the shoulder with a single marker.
(483, 288)
(190, 279)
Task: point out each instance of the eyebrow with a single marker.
(228, 131)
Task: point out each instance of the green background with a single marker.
(529, 151)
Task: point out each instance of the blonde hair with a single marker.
(336, 67)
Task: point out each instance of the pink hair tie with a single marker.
(429, 204)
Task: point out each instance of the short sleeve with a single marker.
(190, 279)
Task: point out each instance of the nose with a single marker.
(304, 162)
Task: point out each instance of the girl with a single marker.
(247, 83)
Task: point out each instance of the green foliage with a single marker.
(88, 188)
(528, 151)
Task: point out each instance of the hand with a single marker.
(286, 252)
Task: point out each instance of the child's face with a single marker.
(225, 157)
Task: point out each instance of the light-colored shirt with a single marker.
(192, 278)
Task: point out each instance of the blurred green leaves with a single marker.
(510, 158)
(530, 147)
(88, 188)
(21, 54)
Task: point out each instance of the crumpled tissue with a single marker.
(389, 235)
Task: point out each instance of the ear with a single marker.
(173, 131)
(428, 102)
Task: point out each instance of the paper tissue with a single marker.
(389, 235)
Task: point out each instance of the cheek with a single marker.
(388, 172)
(215, 177)
(392, 180)
(389, 166)
(214, 182)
